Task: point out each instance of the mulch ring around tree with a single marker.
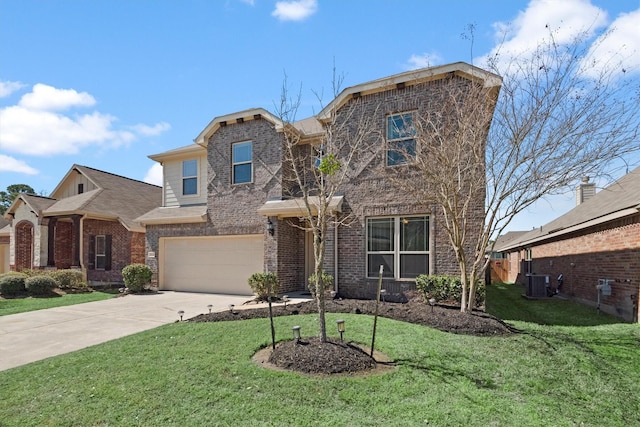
(310, 356)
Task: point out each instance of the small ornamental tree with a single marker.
(264, 285)
(137, 277)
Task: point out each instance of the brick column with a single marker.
(51, 257)
(76, 240)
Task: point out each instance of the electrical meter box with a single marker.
(604, 286)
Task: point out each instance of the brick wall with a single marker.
(610, 251)
(372, 194)
(24, 238)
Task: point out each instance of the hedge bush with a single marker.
(69, 279)
(261, 282)
(447, 289)
(327, 280)
(40, 285)
(12, 283)
(137, 277)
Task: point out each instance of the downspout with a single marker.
(335, 257)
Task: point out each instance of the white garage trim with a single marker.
(216, 264)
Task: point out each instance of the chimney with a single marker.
(585, 190)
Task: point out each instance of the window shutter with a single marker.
(107, 252)
(91, 264)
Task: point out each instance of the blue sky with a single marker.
(105, 83)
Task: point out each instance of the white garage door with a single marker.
(220, 264)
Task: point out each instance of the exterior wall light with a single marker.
(296, 333)
(270, 228)
(341, 328)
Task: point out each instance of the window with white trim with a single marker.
(189, 177)
(401, 141)
(242, 162)
(101, 252)
(400, 244)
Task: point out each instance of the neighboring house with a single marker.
(5, 238)
(230, 210)
(499, 266)
(597, 240)
(88, 222)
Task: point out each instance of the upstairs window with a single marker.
(242, 162)
(189, 177)
(400, 244)
(401, 143)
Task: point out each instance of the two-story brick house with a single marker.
(87, 222)
(229, 209)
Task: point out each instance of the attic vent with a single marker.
(257, 116)
(223, 124)
(80, 188)
(400, 85)
(240, 120)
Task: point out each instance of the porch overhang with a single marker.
(296, 208)
(174, 215)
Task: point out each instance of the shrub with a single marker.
(12, 283)
(137, 277)
(260, 284)
(40, 285)
(69, 279)
(327, 280)
(447, 288)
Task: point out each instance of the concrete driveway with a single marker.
(37, 335)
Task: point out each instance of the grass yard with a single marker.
(21, 305)
(197, 374)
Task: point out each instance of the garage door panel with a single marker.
(211, 264)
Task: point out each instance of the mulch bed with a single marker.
(334, 357)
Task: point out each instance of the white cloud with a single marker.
(9, 164)
(296, 10)
(620, 47)
(49, 98)
(154, 130)
(422, 61)
(154, 175)
(7, 88)
(564, 19)
(37, 127)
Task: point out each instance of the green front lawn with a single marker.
(197, 374)
(21, 305)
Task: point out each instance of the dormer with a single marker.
(184, 175)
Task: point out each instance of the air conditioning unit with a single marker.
(537, 286)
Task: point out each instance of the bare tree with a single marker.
(559, 116)
(315, 169)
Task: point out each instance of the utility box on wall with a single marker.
(604, 287)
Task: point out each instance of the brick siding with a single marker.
(610, 251)
(121, 249)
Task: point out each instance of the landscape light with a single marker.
(210, 306)
(341, 328)
(432, 301)
(285, 299)
(181, 313)
(296, 333)
(231, 308)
